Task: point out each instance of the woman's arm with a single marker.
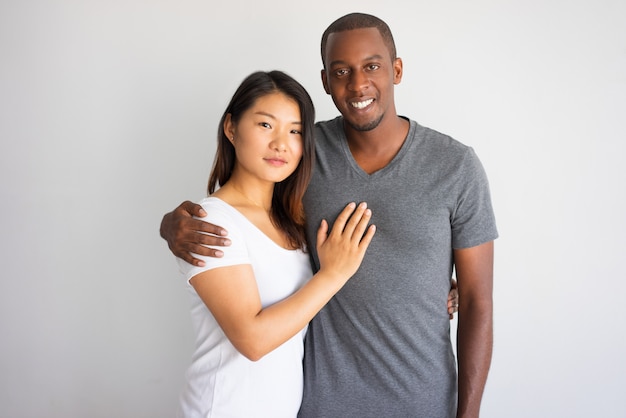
(232, 296)
(186, 235)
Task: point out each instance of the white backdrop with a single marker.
(108, 113)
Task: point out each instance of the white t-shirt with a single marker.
(220, 381)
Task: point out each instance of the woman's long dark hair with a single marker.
(287, 211)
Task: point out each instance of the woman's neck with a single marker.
(254, 201)
(247, 194)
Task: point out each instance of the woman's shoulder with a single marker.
(214, 202)
(219, 211)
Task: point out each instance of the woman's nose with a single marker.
(279, 143)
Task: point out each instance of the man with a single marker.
(381, 347)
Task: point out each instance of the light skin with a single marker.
(268, 147)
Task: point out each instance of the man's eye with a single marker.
(373, 67)
(341, 72)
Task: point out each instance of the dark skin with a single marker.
(360, 76)
(474, 270)
(185, 234)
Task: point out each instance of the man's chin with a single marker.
(365, 127)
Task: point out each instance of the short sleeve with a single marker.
(473, 222)
(219, 213)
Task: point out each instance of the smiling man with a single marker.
(381, 347)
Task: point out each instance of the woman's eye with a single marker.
(296, 132)
(265, 125)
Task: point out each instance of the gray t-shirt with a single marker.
(381, 347)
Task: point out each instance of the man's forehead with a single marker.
(354, 34)
(366, 42)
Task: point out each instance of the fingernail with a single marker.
(226, 242)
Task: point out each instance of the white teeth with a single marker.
(362, 105)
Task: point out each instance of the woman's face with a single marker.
(267, 138)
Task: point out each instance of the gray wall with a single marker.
(108, 113)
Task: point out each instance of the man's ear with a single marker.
(397, 71)
(325, 81)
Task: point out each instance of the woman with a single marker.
(251, 307)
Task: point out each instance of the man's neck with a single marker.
(374, 149)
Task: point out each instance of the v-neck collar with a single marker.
(379, 173)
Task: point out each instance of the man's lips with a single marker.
(361, 104)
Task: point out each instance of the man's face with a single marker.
(360, 76)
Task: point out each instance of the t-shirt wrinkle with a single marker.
(221, 381)
(381, 346)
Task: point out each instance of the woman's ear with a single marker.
(229, 127)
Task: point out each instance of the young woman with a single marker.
(251, 306)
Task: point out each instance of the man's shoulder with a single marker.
(437, 138)
(327, 127)
(328, 135)
(328, 122)
(438, 149)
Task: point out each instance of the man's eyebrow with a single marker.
(370, 58)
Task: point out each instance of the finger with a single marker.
(193, 209)
(206, 239)
(189, 251)
(342, 219)
(367, 238)
(453, 307)
(188, 257)
(192, 247)
(190, 236)
(454, 297)
(362, 225)
(322, 233)
(351, 228)
(202, 226)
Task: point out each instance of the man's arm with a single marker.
(474, 273)
(185, 234)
